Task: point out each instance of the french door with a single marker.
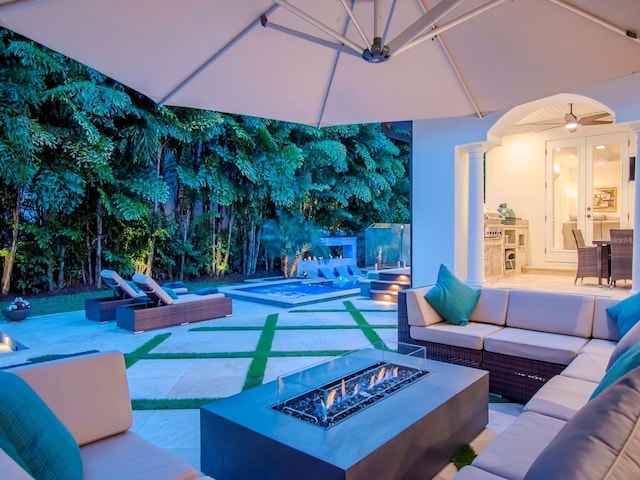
(587, 188)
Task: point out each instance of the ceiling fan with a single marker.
(571, 122)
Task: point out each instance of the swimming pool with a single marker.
(291, 293)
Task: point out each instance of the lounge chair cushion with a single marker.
(451, 298)
(626, 313)
(627, 362)
(606, 432)
(122, 287)
(547, 347)
(206, 291)
(629, 340)
(561, 397)
(326, 273)
(43, 443)
(587, 366)
(471, 336)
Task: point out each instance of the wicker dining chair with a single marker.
(587, 258)
(621, 254)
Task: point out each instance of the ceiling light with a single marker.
(570, 122)
(600, 147)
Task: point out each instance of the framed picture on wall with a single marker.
(605, 199)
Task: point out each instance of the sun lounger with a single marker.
(356, 272)
(342, 271)
(168, 309)
(124, 293)
(326, 273)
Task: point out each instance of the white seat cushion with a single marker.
(474, 473)
(129, 456)
(547, 347)
(561, 397)
(596, 346)
(512, 453)
(587, 366)
(468, 336)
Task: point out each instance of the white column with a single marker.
(475, 240)
(635, 270)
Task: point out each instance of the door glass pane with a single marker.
(565, 197)
(606, 189)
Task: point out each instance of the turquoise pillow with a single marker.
(38, 437)
(134, 286)
(452, 299)
(626, 313)
(627, 362)
(171, 292)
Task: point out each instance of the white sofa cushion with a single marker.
(474, 473)
(97, 405)
(587, 366)
(467, 336)
(491, 307)
(511, 454)
(597, 346)
(129, 456)
(561, 397)
(604, 326)
(562, 313)
(601, 441)
(548, 347)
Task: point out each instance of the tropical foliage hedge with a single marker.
(95, 175)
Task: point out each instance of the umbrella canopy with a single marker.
(324, 62)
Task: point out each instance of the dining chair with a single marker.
(621, 254)
(587, 258)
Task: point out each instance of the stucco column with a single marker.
(475, 240)
(635, 272)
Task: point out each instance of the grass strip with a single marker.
(288, 327)
(338, 310)
(143, 350)
(255, 375)
(368, 331)
(170, 403)
(464, 456)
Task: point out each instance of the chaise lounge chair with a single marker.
(326, 273)
(124, 293)
(342, 271)
(168, 309)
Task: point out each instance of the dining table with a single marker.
(604, 259)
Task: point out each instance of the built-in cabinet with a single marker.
(505, 247)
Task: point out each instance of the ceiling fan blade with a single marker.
(595, 119)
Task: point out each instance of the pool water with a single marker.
(290, 293)
(293, 290)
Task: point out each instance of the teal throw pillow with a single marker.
(43, 443)
(626, 313)
(627, 362)
(134, 286)
(171, 292)
(452, 299)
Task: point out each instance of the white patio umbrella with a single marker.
(302, 60)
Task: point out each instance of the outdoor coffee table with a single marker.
(411, 433)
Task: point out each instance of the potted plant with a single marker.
(17, 310)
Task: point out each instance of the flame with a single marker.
(380, 374)
(344, 391)
(356, 389)
(331, 398)
(372, 382)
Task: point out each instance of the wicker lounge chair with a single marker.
(587, 258)
(167, 310)
(104, 309)
(621, 254)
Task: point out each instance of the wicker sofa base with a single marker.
(104, 309)
(138, 318)
(517, 378)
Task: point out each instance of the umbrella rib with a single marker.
(311, 38)
(388, 25)
(216, 55)
(316, 23)
(355, 21)
(600, 21)
(440, 29)
(427, 20)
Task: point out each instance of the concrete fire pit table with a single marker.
(411, 433)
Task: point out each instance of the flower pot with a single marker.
(16, 315)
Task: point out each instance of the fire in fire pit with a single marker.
(329, 404)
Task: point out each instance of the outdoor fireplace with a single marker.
(335, 401)
(373, 413)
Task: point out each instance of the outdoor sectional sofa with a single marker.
(167, 310)
(89, 408)
(550, 351)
